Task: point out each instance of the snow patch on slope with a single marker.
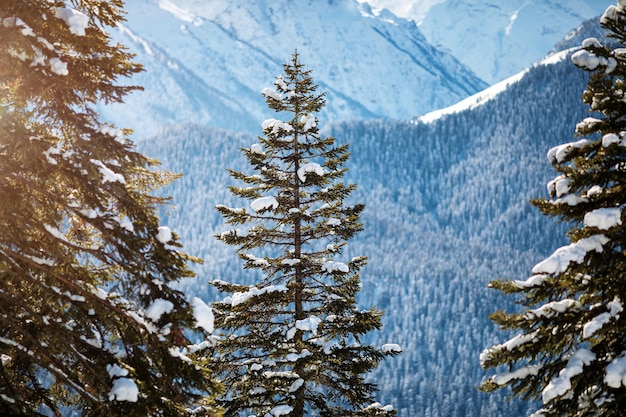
(179, 13)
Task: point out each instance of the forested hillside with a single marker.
(446, 212)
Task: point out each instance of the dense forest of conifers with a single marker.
(447, 211)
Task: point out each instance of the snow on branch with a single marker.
(616, 373)
(108, 175)
(559, 186)
(264, 203)
(241, 297)
(332, 266)
(281, 410)
(76, 21)
(203, 315)
(164, 234)
(554, 308)
(256, 149)
(379, 406)
(256, 261)
(614, 307)
(10, 22)
(275, 126)
(587, 123)
(58, 67)
(559, 261)
(533, 281)
(509, 345)
(505, 377)
(558, 153)
(604, 218)
(270, 93)
(281, 84)
(590, 61)
(610, 139)
(307, 325)
(114, 132)
(311, 167)
(561, 384)
(158, 308)
(123, 389)
(391, 348)
(308, 122)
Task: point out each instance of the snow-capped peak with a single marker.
(496, 38)
(207, 62)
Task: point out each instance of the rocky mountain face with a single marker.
(207, 61)
(496, 38)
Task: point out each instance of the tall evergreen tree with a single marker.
(291, 344)
(570, 344)
(88, 319)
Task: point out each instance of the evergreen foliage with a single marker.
(88, 319)
(291, 344)
(569, 346)
(446, 210)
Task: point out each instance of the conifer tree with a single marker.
(89, 321)
(569, 345)
(290, 345)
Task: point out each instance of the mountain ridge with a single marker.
(236, 48)
(495, 38)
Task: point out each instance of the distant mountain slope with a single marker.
(446, 212)
(206, 62)
(496, 38)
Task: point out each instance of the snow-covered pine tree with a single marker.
(88, 319)
(569, 346)
(290, 345)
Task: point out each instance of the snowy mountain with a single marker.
(207, 61)
(446, 212)
(496, 38)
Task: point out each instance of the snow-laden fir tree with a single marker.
(569, 345)
(88, 319)
(291, 344)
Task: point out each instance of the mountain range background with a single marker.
(496, 38)
(446, 193)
